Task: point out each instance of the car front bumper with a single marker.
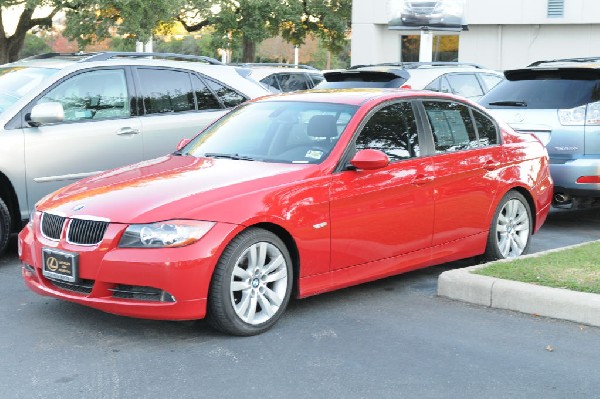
(159, 284)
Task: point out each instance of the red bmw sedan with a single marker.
(293, 194)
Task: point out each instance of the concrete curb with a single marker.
(557, 303)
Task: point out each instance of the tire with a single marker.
(4, 226)
(251, 284)
(510, 231)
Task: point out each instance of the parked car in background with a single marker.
(68, 116)
(284, 77)
(468, 80)
(299, 193)
(558, 100)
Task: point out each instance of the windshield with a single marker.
(274, 131)
(15, 82)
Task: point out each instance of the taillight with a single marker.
(588, 114)
(588, 179)
(408, 87)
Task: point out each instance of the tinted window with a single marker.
(229, 97)
(451, 125)
(166, 91)
(486, 129)
(100, 94)
(542, 93)
(393, 130)
(206, 99)
(465, 84)
(271, 81)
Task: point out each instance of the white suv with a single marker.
(468, 80)
(68, 116)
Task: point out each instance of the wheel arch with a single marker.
(529, 198)
(291, 246)
(9, 196)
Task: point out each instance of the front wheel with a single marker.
(510, 232)
(4, 226)
(251, 285)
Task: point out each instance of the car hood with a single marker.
(171, 187)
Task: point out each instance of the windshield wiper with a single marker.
(229, 156)
(509, 103)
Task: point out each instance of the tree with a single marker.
(34, 45)
(23, 11)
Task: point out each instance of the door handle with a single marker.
(127, 131)
(491, 165)
(421, 180)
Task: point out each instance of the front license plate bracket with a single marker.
(60, 265)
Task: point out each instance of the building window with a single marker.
(556, 8)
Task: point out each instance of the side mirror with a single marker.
(45, 113)
(370, 159)
(182, 144)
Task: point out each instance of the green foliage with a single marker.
(575, 269)
(34, 45)
(187, 45)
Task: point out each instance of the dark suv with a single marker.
(559, 101)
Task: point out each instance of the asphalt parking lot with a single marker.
(392, 338)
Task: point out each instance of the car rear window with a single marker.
(543, 92)
(354, 79)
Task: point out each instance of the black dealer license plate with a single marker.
(60, 265)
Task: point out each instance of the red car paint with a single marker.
(342, 227)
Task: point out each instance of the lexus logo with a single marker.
(519, 117)
(52, 264)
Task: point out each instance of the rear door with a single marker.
(99, 131)
(177, 104)
(467, 156)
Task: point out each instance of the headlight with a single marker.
(169, 234)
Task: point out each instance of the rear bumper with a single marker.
(565, 177)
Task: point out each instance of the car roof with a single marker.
(417, 74)
(352, 96)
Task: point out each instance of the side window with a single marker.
(229, 97)
(445, 86)
(393, 130)
(206, 99)
(490, 81)
(486, 129)
(465, 84)
(451, 125)
(166, 91)
(271, 81)
(316, 78)
(292, 81)
(99, 94)
(434, 85)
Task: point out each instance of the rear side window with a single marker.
(465, 84)
(229, 97)
(166, 91)
(451, 125)
(486, 129)
(206, 99)
(547, 93)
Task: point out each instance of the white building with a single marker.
(501, 34)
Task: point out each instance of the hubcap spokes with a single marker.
(512, 229)
(258, 283)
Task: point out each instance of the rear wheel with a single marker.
(4, 226)
(251, 285)
(510, 232)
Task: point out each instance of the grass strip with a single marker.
(576, 269)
